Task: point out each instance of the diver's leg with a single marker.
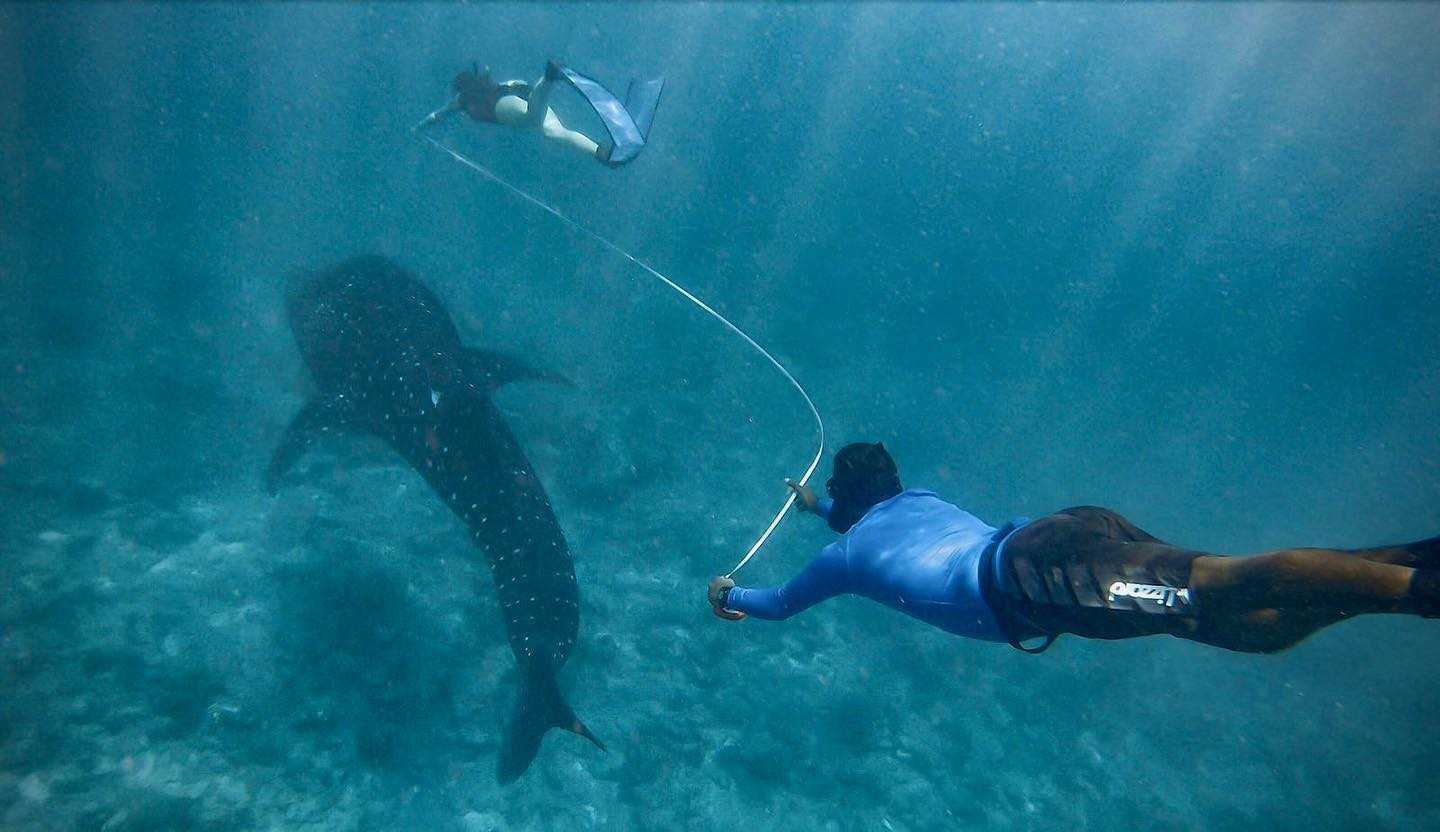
(539, 115)
(538, 103)
(1266, 603)
(1062, 565)
(1260, 631)
(1422, 554)
(553, 129)
(1306, 579)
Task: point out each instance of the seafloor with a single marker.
(332, 659)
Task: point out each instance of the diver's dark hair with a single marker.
(864, 475)
(474, 82)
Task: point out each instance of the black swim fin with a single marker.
(538, 707)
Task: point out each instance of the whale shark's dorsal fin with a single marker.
(317, 418)
(488, 370)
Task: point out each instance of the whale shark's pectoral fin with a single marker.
(488, 370)
(317, 418)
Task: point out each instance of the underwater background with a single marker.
(1178, 260)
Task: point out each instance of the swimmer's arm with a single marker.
(825, 577)
(439, 115)
(805, 500)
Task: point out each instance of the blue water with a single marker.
(1179, 260)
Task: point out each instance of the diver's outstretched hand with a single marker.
(439, 115)
(805, 499)
(716, 595)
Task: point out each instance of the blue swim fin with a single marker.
(628, 124)
(641, 99)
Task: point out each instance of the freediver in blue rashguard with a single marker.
(1085, 571)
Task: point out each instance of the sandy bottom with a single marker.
(333, 659)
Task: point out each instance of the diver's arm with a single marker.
(824, 577)
(440, 114)
(805, 500)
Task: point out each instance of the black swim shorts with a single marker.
(1090, 572)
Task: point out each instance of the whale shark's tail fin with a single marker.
(538, 708)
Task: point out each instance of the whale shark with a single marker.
(387, 360)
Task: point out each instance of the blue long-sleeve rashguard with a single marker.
(914, 553)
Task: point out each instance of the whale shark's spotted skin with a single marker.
(388, 361)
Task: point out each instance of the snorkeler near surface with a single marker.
(527, 107)
(1086, 571)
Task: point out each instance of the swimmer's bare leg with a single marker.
(553, 129)
(539, 115)
(1266, 603)
(538, 103)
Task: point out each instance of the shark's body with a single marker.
(388, 360)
